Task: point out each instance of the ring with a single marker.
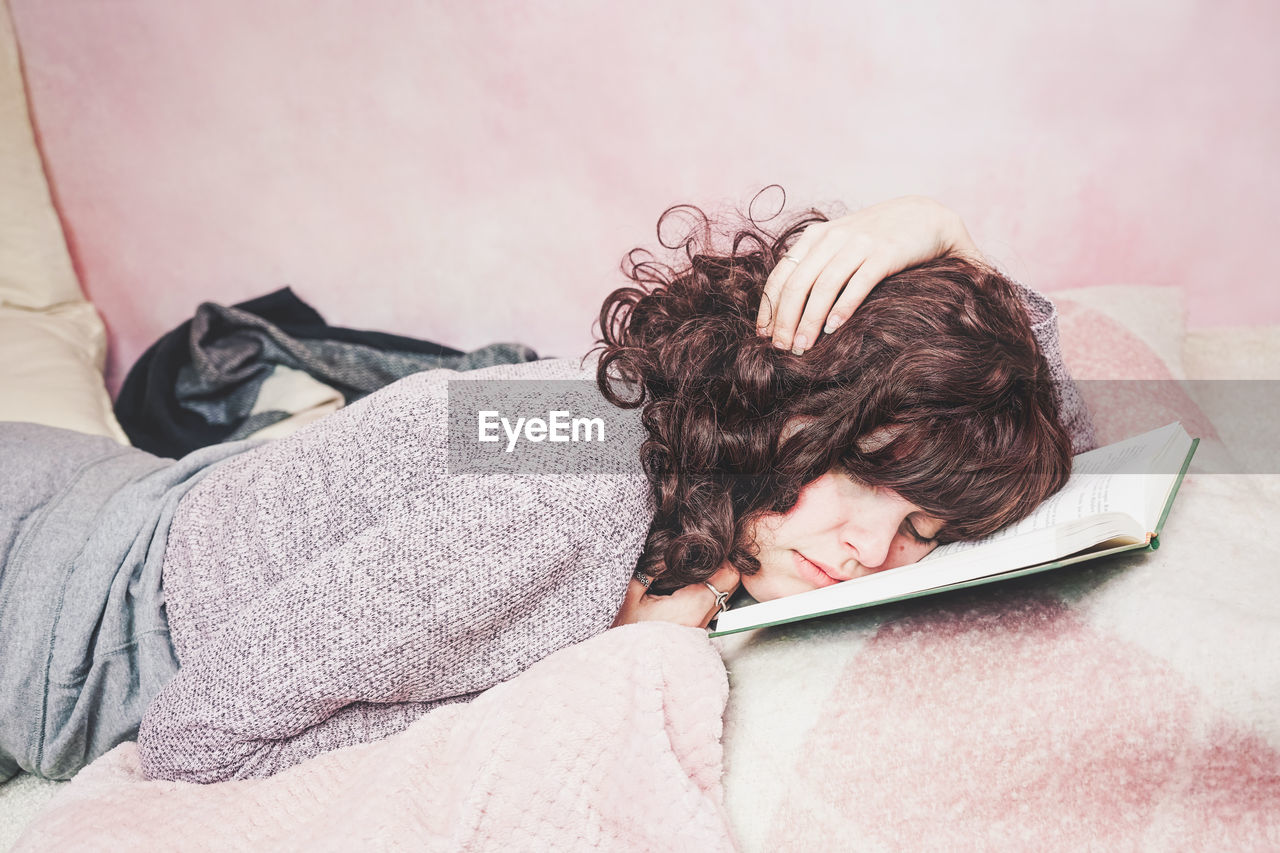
(722, 598)
(791, 258)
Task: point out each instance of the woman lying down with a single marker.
(255, 604)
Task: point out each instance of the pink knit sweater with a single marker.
(329, 588)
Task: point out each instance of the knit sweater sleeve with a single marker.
(456, 584)
(1072, 409)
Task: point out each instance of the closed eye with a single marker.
(911, 531)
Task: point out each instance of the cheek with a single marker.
(904, 551)
(776, 577)
(769, 583)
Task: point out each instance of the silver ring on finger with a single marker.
(722, 598)
(791, 258)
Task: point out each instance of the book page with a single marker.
(1136, 455)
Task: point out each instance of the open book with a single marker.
(1116, 500)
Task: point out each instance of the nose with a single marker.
(870, 537)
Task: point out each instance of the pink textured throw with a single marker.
(610, 744)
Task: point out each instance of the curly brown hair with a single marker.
(934, 388)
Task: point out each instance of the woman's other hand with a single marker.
(694, 605)
(834, 265)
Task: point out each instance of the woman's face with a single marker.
(839, 529)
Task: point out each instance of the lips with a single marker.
(813, 572)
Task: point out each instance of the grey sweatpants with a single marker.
(84, 643)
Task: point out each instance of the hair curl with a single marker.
(934, 388)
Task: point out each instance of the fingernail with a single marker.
(801, 341)
(797, 350)
(833, 323)
(780, 344)
(763, 331)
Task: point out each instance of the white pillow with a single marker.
(35, 268)
(52, 342)
(51, 369)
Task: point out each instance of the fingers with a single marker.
(797, 291)
(811, 293)
(725, 581)
(837, 294)
(686, 606)
(694, 605)
(726, 578)
(784, 271)
(832, 267)
(833, 297)
(631, 601)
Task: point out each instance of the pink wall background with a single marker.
(474, 172)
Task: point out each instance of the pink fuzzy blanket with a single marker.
(610, 744)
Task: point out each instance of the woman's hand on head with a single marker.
(835, 264)
(694, 605)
